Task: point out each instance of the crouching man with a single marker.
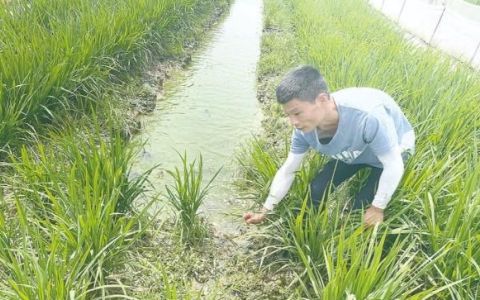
(357, 127)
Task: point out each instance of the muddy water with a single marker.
(210, 109)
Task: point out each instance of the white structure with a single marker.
(451, 25)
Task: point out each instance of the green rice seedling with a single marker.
(258, 166)
(186, 195)
(301, 186)
(340, 259)
(452, 220)
(39, 267)
(75, 216)
(310, 229)
(357, 263)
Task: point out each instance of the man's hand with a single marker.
(373, 216)
(255, 218)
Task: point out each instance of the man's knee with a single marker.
(322, 183)
(319, 191)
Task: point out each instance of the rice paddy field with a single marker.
(428, 246)
(66, 68)
(76, 224)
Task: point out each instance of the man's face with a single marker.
(303, 115)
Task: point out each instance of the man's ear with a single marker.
(322, 98)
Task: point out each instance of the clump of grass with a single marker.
(186, 195)
(74, 217)
(334, 258)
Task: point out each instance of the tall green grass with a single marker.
(60, 56)
(68, 213)
(73, 216)
(428, 243)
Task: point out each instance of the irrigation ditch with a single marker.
(207, 109)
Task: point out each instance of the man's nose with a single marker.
(293, 121)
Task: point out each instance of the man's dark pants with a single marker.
(334, 173)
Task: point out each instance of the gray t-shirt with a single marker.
(370, 124)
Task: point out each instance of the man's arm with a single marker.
(283, 179)
(280, 185)
(392, 173)
(390, 178)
